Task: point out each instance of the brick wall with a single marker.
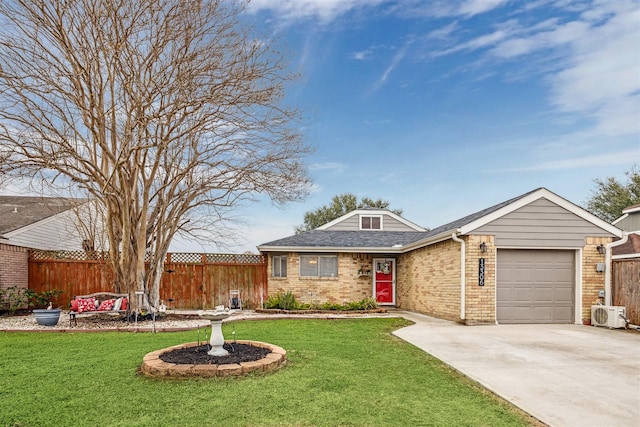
(480, 301)
(14, 266)
(428, 280)
(592, 281)
(348, 286)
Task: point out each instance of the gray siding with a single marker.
(541, 224)
(353, 224)
(630, 223)
(59, 232)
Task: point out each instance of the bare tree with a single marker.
(161, 110)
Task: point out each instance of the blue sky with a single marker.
(447, 107)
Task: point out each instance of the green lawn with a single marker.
(339, 372)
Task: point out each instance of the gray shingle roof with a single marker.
(378, 239)
(19, 211)
(349, 239)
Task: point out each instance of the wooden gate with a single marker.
(190, 281)
(625, 287)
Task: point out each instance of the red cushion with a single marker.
(74, 305)
(88, 304)
(125, 304)
(106, 305)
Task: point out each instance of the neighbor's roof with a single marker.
(630, 247)
(398, 242)
(19, 211)
(635, 209)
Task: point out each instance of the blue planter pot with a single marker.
(47, 317)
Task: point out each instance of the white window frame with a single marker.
(319, 260)
(281, 260)
(362, 217)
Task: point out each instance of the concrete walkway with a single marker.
(564, 375)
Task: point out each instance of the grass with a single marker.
(339, 373)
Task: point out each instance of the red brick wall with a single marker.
(14, 266)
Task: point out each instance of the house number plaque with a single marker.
(481, 272)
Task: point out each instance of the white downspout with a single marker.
(607, 267)
(463, 278)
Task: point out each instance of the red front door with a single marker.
(384, 282)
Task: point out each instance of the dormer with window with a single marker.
(371, 220)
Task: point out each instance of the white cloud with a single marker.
(602, 78)
(394, 62)
(475, 7)
(324, 10)
(362, 55)
(596, 59)
(328, 10)
(443, 32)
(327, 166)
(532, 39)
(484, 41)
(599, 160)
(397, 58)
(444, 8)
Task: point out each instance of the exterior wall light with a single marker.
(483, 247)
(601, 249)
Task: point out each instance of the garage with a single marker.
(535, 286)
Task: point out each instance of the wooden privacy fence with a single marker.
(190, 281)
(625, 287)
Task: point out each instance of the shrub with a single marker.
(288, 302)
(41, 299)
(282, 301)
(13, 298)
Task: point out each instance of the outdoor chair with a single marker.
(235, 303)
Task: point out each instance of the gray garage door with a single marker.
(535, 286)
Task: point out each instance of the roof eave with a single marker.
(445, 235)
(360, 249)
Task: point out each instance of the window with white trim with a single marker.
(371, 222)
(318, 266)
(279, 266)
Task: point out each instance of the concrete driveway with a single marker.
(564, 375)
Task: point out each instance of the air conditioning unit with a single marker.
(608, 315)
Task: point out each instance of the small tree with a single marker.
(340, 205)
(612, 196)
(166, 112)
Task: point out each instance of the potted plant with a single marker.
(43, 309)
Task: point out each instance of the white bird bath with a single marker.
(217, 340)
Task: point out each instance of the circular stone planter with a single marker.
(153, 366)
(47, 317)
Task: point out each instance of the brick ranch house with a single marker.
(532, 259)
